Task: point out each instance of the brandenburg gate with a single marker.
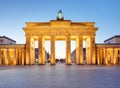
(57, 30)
(60, 29)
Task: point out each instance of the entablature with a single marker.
(107, 45)
(13, 46)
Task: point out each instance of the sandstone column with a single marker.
(68, 50)
(20, 56)
(88, 59)
(98, 56)
(52, 60)
(79, 50)
(23, 57)
(17, 59)
(112, 56)
(115, 56)
(5, 57)
(14, 56)
(41, 51)
(101, 55)
(105, 56)
(0, 57)
(30, 51)
(11, 56)
(43, 54)
(28, 46)
(92, 49)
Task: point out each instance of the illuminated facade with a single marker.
(56, 30)
(109, 52)
(13, 54)
(60, 30)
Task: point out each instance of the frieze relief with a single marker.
(60, 34)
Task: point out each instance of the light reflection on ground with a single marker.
(60, 76)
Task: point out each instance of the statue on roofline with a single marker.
(60, 17)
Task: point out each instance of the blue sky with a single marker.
(14, 14)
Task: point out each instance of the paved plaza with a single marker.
(60, 76)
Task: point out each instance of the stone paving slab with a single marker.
(60, 76)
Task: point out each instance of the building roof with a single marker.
(7, 38)
(116, 36)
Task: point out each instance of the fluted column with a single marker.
(52, 59)
(11, 56)
(41, 51)
(23, 56)
(20, 56)
(92, 49)
(79, 50)
(5, 57)
(43, 54)
(101, 55)
(8, 56)
(98, 56)
(32, 49)
(15, 56)
(28, 44)
(68, 50)
(0, 57)
(17, 59)
(105, 56)
(118, 61)
(88, 59)
(114, 56)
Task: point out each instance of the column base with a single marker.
(69, 64)
(52, 64)
(41, 64)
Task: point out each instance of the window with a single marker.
(1, 40)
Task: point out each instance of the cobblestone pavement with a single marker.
(60, 76)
